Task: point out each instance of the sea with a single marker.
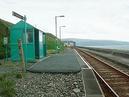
(119, 47)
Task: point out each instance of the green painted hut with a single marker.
(32, 41)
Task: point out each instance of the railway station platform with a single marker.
(70, 62)
(60, 63)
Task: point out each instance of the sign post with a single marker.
(18, 15)
(24, 19)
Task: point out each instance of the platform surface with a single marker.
(70, 62)
(64, 62)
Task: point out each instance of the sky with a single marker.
(84, 19)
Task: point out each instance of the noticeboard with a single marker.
(5, 41)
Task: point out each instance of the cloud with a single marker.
(101, 19)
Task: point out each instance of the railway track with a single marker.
(114, 82)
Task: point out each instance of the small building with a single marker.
(4, 33)
(33, 41)
(69, 43)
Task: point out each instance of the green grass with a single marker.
(52, 42)
(19, 75)
(51, 51)
(7, 83)
(7, 87)
(8, 63)
(8, 80)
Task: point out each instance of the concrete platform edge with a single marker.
(84, 82)
(38, 62)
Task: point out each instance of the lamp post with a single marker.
(60, 35)
(60, 30)
(56, 29)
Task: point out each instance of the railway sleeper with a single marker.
(121, 92)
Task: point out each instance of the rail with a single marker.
(116, 81)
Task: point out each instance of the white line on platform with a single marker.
(83, 60)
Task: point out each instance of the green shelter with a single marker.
(33, 41)
(40, 43)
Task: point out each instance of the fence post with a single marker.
(21, 53)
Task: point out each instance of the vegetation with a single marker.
(19, 75)
(8, 78)
(4, 32)
(52, 42)
(7, 83)
(6, 86)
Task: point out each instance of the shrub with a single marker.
(3, 77)
(19, 75)
(7, 88)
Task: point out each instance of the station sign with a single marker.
(5, 41)
(18, 15)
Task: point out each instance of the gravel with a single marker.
(50, 85)
(45, 84)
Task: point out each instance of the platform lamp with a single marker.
(60, 35)
(60, 30)
(56, 46)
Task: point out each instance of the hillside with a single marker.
(52, 42)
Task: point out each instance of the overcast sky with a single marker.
(87, 19)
